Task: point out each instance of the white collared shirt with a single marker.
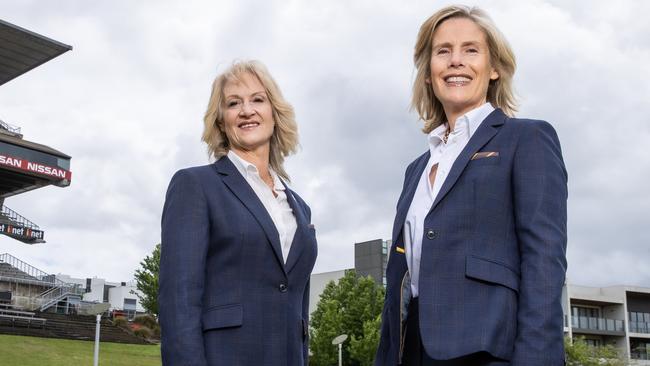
(277, 207)
(444, 155)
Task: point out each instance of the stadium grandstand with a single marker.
(33, 302)
(26, 165)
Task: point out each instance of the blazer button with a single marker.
(432, 234)
(282, 287)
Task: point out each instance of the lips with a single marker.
(457, 80)
(248, 125)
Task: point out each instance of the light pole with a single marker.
(97, 326)
(339, 341)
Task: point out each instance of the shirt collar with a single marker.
(247, 169)
(468, 122)
(476, 116)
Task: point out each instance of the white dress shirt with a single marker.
(443, 154)
(277, 207)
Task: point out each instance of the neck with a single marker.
(258, 157)
(454, 114)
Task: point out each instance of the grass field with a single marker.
(34, 351)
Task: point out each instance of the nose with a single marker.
(246, 109)
(456, 59)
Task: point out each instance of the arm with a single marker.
(185, 238)
(539, 201)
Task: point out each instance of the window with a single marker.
(593, 342)
(129, 308)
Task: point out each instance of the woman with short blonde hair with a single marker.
(500, 92)
(238, 246)
(284, 141)
(478, 260)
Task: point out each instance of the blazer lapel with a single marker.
(300, 238)
(240, 188)
(407, 196)
(483, 134)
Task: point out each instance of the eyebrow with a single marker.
(464, 44)
(261, 92)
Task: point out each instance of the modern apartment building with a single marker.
(371, 258)
(615, 315)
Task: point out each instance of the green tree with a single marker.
(146, 279)
(353, 307)
(363, 348)
(579, 353)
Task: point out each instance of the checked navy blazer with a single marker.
(493, 253)
(226, 296)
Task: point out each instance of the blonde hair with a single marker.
(500, 91)
(284, 140)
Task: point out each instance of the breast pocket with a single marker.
(223, 316)
(490, 271)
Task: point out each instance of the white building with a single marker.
(122, 296)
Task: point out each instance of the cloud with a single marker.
(127, 104)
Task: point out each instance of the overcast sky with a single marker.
(127, 104)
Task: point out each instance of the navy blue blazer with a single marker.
(226, 296)
(493, 253)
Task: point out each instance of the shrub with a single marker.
(149, 322)
(121, 322)
(143, 332)
(146, 320)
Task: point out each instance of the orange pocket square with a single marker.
(485, 154)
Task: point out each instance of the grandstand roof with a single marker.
(22, 50)
(31, 145)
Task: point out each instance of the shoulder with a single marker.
(195, 172)
(192, 178)
(527, 125)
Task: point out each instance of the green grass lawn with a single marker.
(34, 351)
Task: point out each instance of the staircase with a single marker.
(52, 296)
(13, 269)
(78, 327)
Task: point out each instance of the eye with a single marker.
(232, 103)
(259, 99)
(442, 51)
(472, 50)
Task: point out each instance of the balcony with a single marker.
(640, 327)
(639, 322)
(591, 325)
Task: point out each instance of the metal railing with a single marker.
(58, 290)
(54, 295)
(17, 218)
(602, 324)
(640, 327)
(30, 270)
(11, 128)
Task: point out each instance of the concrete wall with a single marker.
(116, 296)
(317, 284)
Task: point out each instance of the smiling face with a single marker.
(248, 115)
(460, 66)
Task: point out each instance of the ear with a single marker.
(427, 80)
(494, 75)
